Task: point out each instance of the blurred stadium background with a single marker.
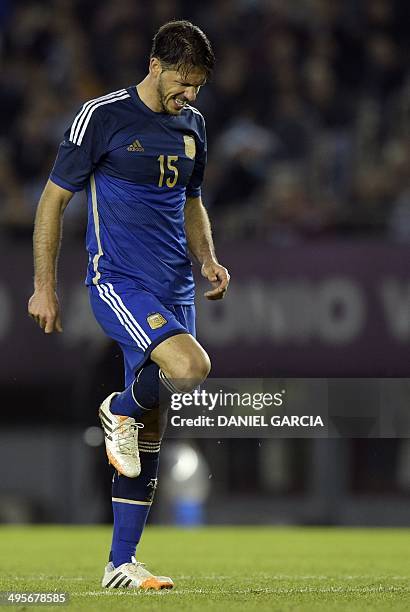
(308, 189)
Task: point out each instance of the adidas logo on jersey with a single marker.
(135, 146)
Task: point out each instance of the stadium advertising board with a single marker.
(323, 310)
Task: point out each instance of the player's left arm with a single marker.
(200, 242)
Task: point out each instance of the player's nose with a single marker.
(190, 94)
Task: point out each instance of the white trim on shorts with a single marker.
(108, 294)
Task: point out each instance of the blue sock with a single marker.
(143, 393)
(129, 517)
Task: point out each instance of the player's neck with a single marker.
(149, 95)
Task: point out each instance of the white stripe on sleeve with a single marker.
(86, 106)
(86, 114)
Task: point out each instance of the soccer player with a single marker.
(140, 153)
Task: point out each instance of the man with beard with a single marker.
(140, 153)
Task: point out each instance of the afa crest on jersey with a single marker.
(190, 149)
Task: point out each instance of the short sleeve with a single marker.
(193, 189)
(80, 151)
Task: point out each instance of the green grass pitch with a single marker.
(217, 568)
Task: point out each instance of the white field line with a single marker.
(219, 577)
(265, 576)
(341, 590)
(280, 591)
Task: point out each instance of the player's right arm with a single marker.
(78, 155)
(43, 305)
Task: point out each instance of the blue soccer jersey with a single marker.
(138, 168)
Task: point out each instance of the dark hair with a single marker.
(182, 46)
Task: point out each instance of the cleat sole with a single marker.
(156, 585)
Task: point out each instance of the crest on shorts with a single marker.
(156, 320)
(190, 148)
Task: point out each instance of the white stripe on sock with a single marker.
(167, 383)
(120, 500)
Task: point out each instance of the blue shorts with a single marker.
(137, 320)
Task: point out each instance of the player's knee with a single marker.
(191, 370)
(199, 367)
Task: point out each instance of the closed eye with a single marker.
(196, 87)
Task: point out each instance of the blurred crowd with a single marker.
(307, 112)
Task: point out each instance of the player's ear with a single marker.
(155, 67)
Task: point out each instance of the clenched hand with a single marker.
(219, 277)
